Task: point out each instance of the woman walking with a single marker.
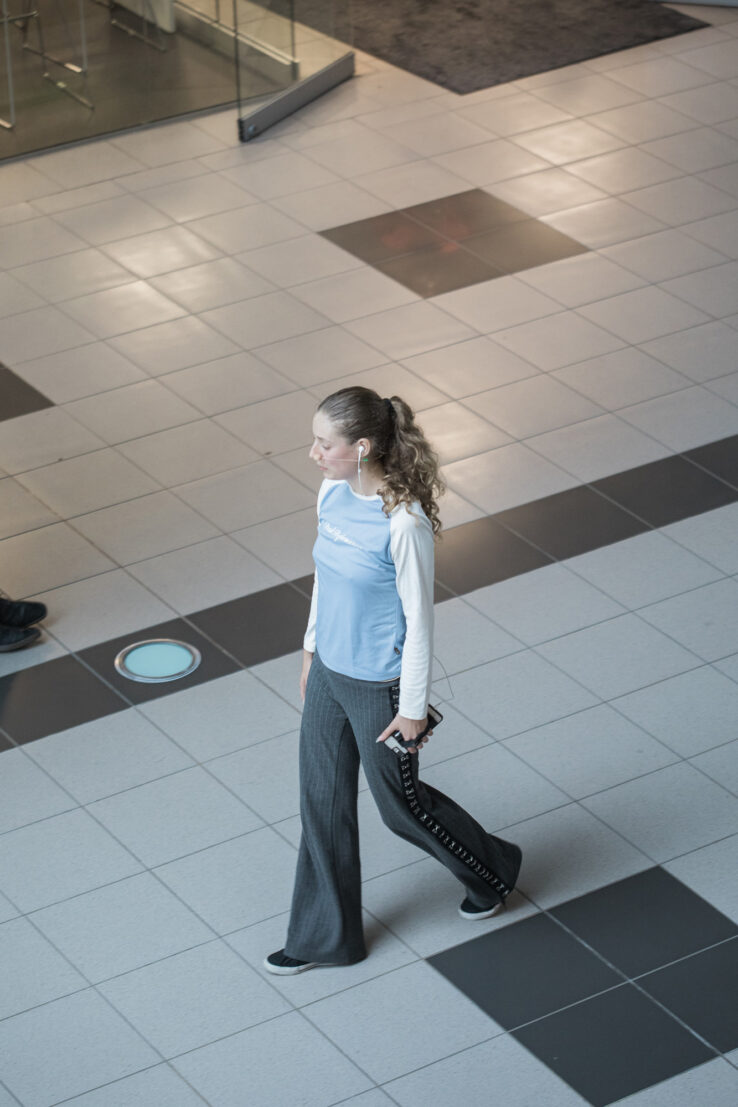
(366, 676)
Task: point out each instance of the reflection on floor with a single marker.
(172, 313)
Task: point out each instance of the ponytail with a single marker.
(410, 464)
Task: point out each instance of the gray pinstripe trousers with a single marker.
(340, 724)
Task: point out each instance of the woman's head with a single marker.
(356, 425)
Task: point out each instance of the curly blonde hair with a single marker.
(398, 443)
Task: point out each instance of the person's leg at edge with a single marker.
(325, 921)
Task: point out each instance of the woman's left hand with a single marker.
(409, 729)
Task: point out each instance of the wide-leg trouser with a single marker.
(340, 725)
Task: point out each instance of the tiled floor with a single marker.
(170, 319)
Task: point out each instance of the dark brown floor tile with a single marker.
(52, 696)
(523, 245)
(465, 213)
(433, 271)
(382, 237)
(480, 553)
(17, 397)
(666, 491)
(720, 458)
(260, 626)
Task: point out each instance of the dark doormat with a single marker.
(472, 44)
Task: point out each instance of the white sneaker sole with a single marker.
(474, 915)
(290, 970)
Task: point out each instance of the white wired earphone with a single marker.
(358, 465)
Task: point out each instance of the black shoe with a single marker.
(283, 965)
(21, 613)
(14, 638)
(469, 910)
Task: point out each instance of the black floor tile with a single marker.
(721, 458)
(523, 245)
(525, 971)
(382, 237)
(5, 743)
(465, 213)
(214, 662)
(258, 627)
(645, 921)
(53, 696)
(613, 1045)
(439, 269)
(17, 397)
(480, 553)
(572, 522)
(703, 992)
(666, 491)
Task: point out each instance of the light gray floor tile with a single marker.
(618, 656)
(62, 278)
(386, 952)
(74, 374)
(273, 426)
(43, 438)
(716, 1082)
(247, 712)
(569, 852)
(643, 314)
(469, 367)
(247, 228)
(710, 872)
(160, 1085)
(506, 477)
(144, 527)
(643, 569)
(279, 176)
(657, 257)
(148, 255)
(694, 151)
(488, 162)
(300, 259)
(86, 164)
(22, 181)
(574, 140)
(463, 638)
(543, 192)
(690, 713)
(210, 285)
(20, 511)
(332, 205)
(227, 383)
(82, 1027)
(312, 358)
(640, 122)
(455, 510)
(283, 676)
(680, 201)
(175, 345)
(533, 406)
(558, 340)
(437, 134)
(32, 970)
(515, 693)
(7, 911)
(254, 494)
(187, 453)
(36, 240)
(125, 308)
(710, 289)
(496, 304)
(48, 558)
(627, 376)
(514, 114)
(130, 412)
(264, 319)
(174, 816)
(598, 447)
(711, 536)
(318, 1074)
(16, 297)
(346, 296)
(668, 812)
(204, 574)
(27, 794)
(77, 197)
(236, 883)
(88, 482)
(719, 231)
(375, 1098)
(114, 930)
(106, 756)
(193, 998)
(419, 903)
(60, 857)
(285, 544)
(456, 432)
(114, 219)
(624, 170)
(721, 764)
(265, 776)
(519, 1077)
(198, 197)
(605, 222)
(381, 850)
(415, 183)
(704, 620)
(357, 1021)
(588, 752)
(411, 329)
(659, 77)
(582, 279)
(161, 145)
(387, 380)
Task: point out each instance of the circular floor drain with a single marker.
(157, 660)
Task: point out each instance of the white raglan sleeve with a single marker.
(308, 642)
(412, 550)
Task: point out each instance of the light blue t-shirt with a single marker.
(372, 612)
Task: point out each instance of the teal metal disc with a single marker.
(159, 659)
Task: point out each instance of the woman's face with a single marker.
(333, 454)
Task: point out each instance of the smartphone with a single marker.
(397, 743)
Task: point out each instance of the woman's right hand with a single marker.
(307, 660)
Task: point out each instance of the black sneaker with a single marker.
(14, 638)
(283, 965)
(21, 613)
(469, 910)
